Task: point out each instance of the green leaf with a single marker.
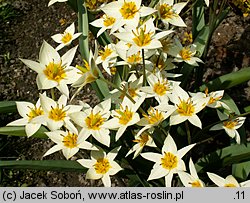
(224, 157)
(48, 165)
(241, 170)
(84, 29)
(231, 104)
(101, 88)
(227, 81)
(8, 107)
(198, 18)
(201, 40)
(20, 131)
(247, 109)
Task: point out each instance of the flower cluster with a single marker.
(148, 98)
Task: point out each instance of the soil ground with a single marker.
(22, 36)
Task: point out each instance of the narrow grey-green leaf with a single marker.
(7, 106)
(227, 81)
(20, 131)
(47, 165)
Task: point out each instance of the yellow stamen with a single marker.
(231, 124)
(185, 108)
(125, 116)
(196, 184)
(161, 88)
(229, 185)
(185, 53)
(57, 114)
(55, 71)
(70, 140)
(108, 20)
(135, 58)
(102, 166)
(153, 116)
(169, 161)
(94, 121)
(67, 37)
(143, 139)
(166, 11)
(128, 10)
(34, 112)
(141, 38)
(105, 53)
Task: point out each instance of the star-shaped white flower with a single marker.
(53, 70)
(56, 114)
(153, 118)
(142, 140)
(186, 54)
(229, 181)
(105, 22)
(159, 87)
(66, 38)
(192, 179)
(131, 87)
(214, 98)
(68, 142)
(28, 111)
(126, 12)
(169, 162)
(169, 12)
(230, 126)
(92, 121)
(125, 116)
(142, 37)
(107, 57)
(101, 165)
(185, 107)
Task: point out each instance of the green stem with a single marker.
(188, 133)
(52, 91)
(144, 68)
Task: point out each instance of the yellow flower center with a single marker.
(229, 185)
(135, 58)
(105, 53)
(153, 116)
(185, 108)
(196, 184)
(67, 37)
(57, 114)
(160, 88)
(108, 20)
(94, 121)
(102, 166)
(35, 112)
(230, 124)
(128, 10)
(125, 116)
(70, 140)
(169, 161)
(143, 139)
(141, 38)
(185, 54)
(55, 71)
(166, 11)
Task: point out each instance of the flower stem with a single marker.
(188, 133)
(52, 91)
(144, 68)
